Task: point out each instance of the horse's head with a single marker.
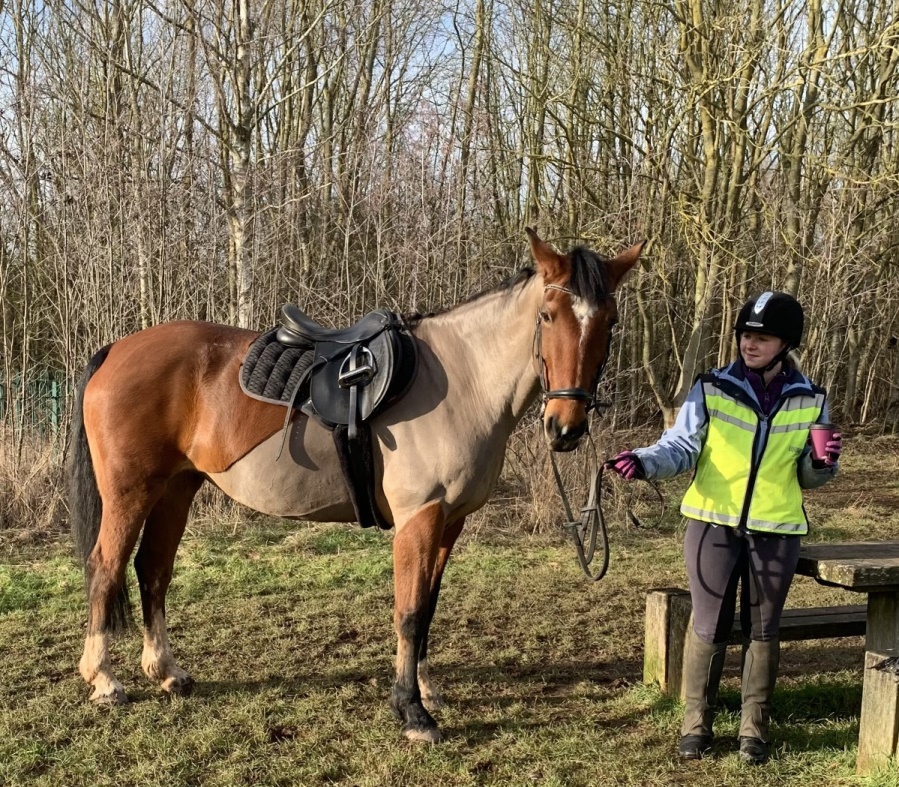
(574, 332)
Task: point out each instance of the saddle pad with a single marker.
(271, 371)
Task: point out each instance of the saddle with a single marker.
(355, 371)
(340, 377)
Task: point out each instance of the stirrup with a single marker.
(694, 747)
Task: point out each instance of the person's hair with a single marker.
(794, 359)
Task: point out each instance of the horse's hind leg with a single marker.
(154, 562)
(415, 551)
(123, 516)
(429, 695)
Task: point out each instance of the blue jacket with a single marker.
(678, 449)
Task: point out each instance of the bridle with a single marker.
(578, 394)
(586, 531)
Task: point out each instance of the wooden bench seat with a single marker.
(818, 623)
(668, 619)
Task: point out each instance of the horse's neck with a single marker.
(486, 349)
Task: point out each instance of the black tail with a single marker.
(85, 505)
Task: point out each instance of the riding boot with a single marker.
(759, 675)
(703, 665)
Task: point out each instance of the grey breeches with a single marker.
(718, 559)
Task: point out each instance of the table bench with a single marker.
(668, 620)
(863, 567)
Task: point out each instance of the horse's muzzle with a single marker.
(563, 438)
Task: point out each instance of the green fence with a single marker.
(35, 404)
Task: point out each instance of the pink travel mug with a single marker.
(820, 434)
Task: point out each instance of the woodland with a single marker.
(214, 159)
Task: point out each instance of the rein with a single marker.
(585, 532)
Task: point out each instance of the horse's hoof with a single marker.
(180, 687)
(424, 735)
(433, 701)
(114, 697)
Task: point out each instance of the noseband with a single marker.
(578, 394)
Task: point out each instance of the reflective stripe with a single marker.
(799, 402)
(780, 428)
(709, 516)
(731, 419)
(776, 527)
(709, 389)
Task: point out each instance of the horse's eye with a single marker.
(544, 316)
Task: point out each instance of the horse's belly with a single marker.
(305, 483)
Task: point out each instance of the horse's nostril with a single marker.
(551, 427)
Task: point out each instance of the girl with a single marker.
(745, 430)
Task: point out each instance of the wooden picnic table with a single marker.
(870, 567)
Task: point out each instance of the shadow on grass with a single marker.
(834, 700)
(811, 717)
(819, 713)
(555, 680)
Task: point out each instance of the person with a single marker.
(744, 428)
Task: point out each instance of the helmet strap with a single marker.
(779, 358)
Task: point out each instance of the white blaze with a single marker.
(583, 311)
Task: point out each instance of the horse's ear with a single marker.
(550, 263)
(620, 265)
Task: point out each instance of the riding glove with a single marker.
(627, 464)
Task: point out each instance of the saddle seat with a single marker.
(300, 330)
(355, 371)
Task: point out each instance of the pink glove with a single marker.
(625, 464)
(834, 448)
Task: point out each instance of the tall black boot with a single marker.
(703, 664)
(759, 675)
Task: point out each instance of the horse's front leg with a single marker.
(415, 551)
(429, 695)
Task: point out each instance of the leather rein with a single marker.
(591, 527)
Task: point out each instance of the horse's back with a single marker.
(169, 397)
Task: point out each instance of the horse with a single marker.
(160, 411)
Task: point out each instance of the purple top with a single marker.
(767, 396)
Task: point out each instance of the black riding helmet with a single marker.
(777, 313)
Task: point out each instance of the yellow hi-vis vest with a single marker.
(729, 485)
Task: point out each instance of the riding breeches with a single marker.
(718, 559)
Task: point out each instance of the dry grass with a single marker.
(31, 487)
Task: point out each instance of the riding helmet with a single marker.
(777, 313)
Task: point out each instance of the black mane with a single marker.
(589, 277)
(589, 281)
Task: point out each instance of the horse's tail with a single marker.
(85, 505)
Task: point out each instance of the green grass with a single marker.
(288, 631)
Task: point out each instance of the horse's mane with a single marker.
(589, 277)
(589, 281)
(506, 285)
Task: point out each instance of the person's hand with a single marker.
(834, 448)
(625, 464)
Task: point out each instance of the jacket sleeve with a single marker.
(811, 477)
(678, 449)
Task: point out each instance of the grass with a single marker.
(287, 629)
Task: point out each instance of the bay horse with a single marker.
(161, 411)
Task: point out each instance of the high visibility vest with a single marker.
(732, 486)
